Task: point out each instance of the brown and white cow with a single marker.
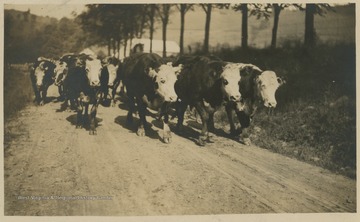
(110, 78)
(206, 83)
(60, 73)
(41, 76)
(149, 82)
(258, 88)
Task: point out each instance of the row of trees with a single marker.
(118, 24)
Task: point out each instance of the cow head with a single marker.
(112, 66)
(43, 73)
(93, 69)
(164, 79)
(60, 72)
(266, 85)
(230, 79)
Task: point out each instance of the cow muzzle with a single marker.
(270, 104)
(95, 83)
(234, 98)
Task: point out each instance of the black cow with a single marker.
(110, 78)
(257, 88)
(42, 76)
(206, 83)
(60, 74)
(82, 87)
(149, 82)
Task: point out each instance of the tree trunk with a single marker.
(125, 47)
(114, 47)
(152, 14)
(182, 27)
(244, 26)
(277, 10)
(164, 38)
(207, 28)
(118, 48)
(309, 40)
(109, 46)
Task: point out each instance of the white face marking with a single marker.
(93, 71)
(112, 69)
(267, 84)
(230, 82)
(165, 79)
(39, 74)
(60, 72)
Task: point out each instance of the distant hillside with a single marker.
(338, 26)
(29, 36)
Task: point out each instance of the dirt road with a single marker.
(51, 168)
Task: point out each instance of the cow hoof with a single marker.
(140, 132)
(201, 141)
(245, 141)
(167, 140)
(41, 103)
(210, 139)
(78, 126)
(92, 132)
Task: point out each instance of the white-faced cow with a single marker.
(206, 83)
(60, 73)
(82, 86)
(41, 76)
(110, 78)
(149, 82)
(257, 88)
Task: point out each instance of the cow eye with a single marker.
(225, 82)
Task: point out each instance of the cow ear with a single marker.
(281, 81)
(216, 67)
(152, 73)
(177, 69)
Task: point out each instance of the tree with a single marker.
(277, 9)
(164, 13)
(310, 11)
(207, 9)
(244, 23)
(183, 8)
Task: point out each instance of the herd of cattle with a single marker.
(203, 82)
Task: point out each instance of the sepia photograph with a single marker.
(207, 110)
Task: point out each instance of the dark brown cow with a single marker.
(206, 83)
(149, 82)
(257, 88)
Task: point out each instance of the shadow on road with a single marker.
(86, 124)
(132, 127)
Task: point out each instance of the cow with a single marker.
(110, 78)
(82, 86)
(257, 88)
(60, 74)
(41, 76)
(206, 83)
(149, 83)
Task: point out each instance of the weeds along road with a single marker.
(48, 160)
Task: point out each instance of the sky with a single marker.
(51, 10)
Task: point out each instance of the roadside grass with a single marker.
(18, 91)
(315, 120)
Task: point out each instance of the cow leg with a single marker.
(180, 111)
(37, 97)
(92, 119)
(244, 120)
(166, 128)
(229, 113)
(129, 118)
(204, 119)
(142, 115)
(43, 96)
(61, 92)
(79, 120)
(113, 93)
(211, 127)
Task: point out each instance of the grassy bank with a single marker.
(315, 120)
(17, 89)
